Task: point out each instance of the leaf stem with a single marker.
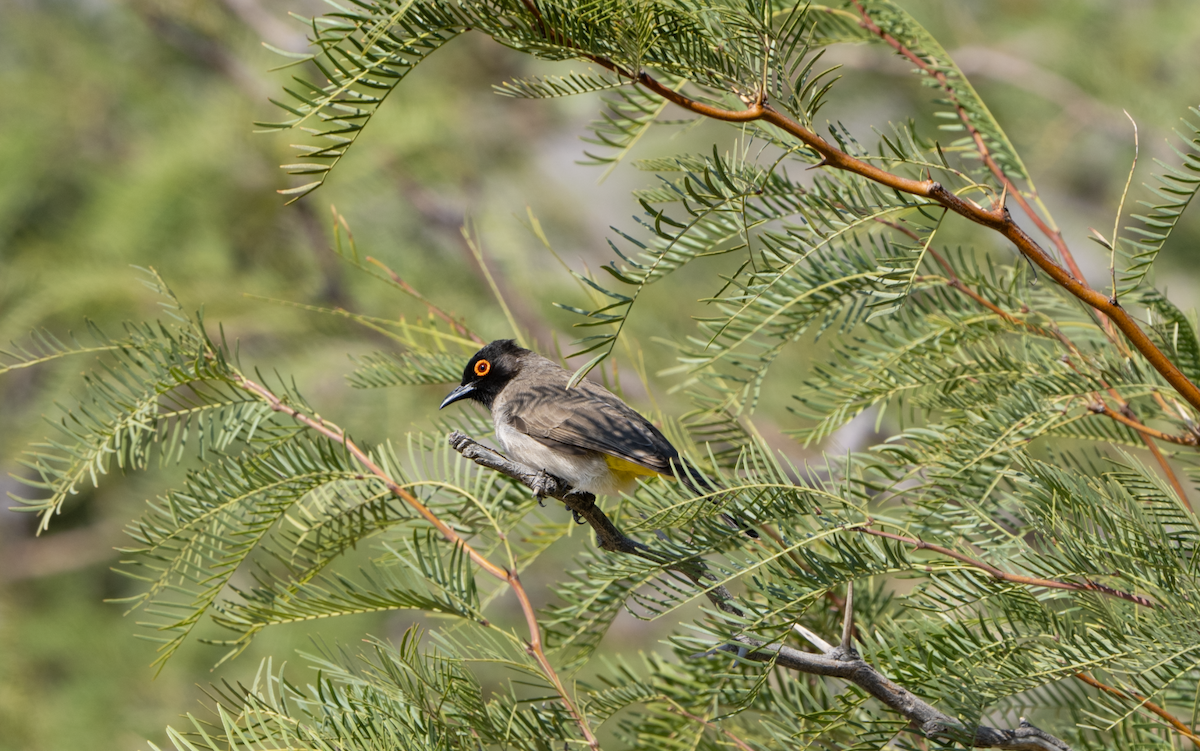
(674, 707)
(477, 251)
(455, 325)
(1112, 256)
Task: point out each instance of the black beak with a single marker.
(462, 392)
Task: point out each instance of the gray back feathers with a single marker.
(585, 418)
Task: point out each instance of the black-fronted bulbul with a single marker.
(584, 435)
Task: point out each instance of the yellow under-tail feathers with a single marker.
(626, 472)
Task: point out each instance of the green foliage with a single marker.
(160, 390)
(1175, 189)
(958, 98)
(628, 115)
(1003, 539)
(363, 56)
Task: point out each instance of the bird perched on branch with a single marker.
(584, 435)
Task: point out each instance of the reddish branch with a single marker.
(1184, 730)
(998, 219)
(1087, 586)
(1101, 408)
(335, 433)
(984, 152)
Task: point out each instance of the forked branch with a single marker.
(835, 662)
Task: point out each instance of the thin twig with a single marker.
(835, 600)
(1030, 581)
(1127, 412)
(1175, 722)
(696, 718)
(1112, 256)
(1126, 416)
(1188, 439)
(832, 662)
(1166, 467)
(477, 251)
(455, 324)
(335, 433)
(956, 283)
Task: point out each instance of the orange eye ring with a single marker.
(482, 368)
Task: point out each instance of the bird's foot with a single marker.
(459, 441)
(582, 502)
(543, 484)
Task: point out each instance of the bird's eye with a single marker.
(482, 368)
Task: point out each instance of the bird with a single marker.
(585, 435)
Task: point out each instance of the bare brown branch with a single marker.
(834, 662)
(1101, 408)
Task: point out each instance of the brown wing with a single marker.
(587, 417)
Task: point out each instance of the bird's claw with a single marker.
(543, 484)
(459, 441)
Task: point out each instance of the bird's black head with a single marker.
(488, 371)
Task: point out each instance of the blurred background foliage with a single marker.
(126, 138)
